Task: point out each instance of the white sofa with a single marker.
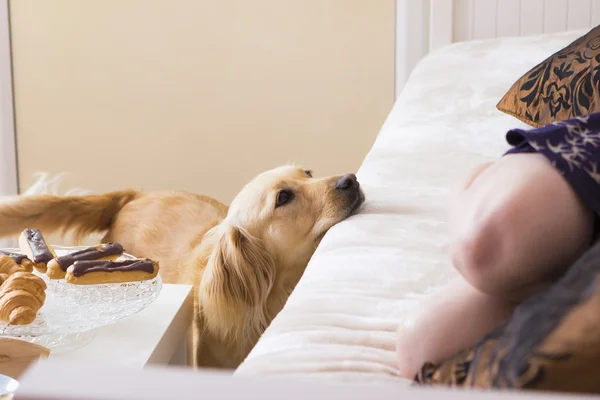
(340, 322)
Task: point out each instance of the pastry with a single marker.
(20, 259)
(3, 278)
(96, 272)
(57, 268)
(21, 297)
(33, 244)
(9, 266)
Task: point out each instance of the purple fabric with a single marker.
(572, 147)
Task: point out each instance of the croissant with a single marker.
(3, 277)
(21, 297)
(9, 266)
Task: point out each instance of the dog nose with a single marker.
(347, 182)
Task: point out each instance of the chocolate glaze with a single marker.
(84, 267)
(91, 253)
(39, 249)
(15, 256)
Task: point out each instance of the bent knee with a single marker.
(477, 252)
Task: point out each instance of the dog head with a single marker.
(273, 226)
(289, 211)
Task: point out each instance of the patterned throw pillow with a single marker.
(565, 85)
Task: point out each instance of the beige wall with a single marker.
(197, 94)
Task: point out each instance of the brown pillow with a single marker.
(565, 85)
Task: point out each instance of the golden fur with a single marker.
(243, 260)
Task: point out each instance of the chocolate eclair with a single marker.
(98, 272)
(20, 259)
(34, 246)
(57, 268)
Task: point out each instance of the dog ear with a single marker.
(239, 276)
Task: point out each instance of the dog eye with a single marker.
(308, 172)
(284, 197)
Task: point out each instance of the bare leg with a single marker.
(448, 321)
(515, 226)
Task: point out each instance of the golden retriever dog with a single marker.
(243, 260)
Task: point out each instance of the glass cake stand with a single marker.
(71, 312)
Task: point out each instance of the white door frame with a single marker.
(9, 182)
(8, 150)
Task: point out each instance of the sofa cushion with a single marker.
(563, 86)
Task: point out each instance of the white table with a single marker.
(156, 335)
(53, 380)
